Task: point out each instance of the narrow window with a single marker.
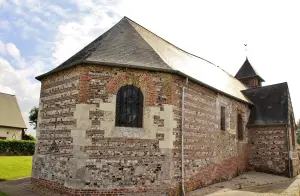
(129, 107)
(240, 135)
(223, 118)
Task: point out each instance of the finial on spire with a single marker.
(246, 50)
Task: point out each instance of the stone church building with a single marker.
(132, 114)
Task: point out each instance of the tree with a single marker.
(33, 116)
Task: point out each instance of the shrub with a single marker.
(17, 147)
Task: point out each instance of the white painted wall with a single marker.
(11, 133)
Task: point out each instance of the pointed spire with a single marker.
(247, 71)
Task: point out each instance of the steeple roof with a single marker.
(247, 71)
(10, 113)
(128, 44)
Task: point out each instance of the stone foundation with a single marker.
(226, 170)
(60, 188)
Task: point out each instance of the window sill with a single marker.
(130, 132)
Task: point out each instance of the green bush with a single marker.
(17, 147)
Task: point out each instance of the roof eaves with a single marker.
(7, 94)
(8, 126)
(266, 124)
(250, 77)
(86, 62)
(262, 87)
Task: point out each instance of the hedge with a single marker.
(17, 147)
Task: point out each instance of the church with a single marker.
(132, 114)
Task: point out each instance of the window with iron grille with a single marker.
(129, 107)
(223, 118)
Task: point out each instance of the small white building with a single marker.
(11, 120)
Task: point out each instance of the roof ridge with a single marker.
(169, 42)
(181, 48)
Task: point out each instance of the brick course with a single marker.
(80, 151)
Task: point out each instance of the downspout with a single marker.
(182, 137)
(288, 148)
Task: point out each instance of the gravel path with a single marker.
(22, 187)
(252, 183)
(248, 184)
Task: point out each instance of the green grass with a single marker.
(3, 194)
(13, 167)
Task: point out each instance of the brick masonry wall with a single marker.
(210, 153)
(54, 147)
(268, 149)
(80, 148)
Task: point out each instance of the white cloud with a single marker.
(3, 3)
(37, 20)
(20, 83)
(2, 47)
(6, 89)
(73, 36)
(13, 51)
(5, 25)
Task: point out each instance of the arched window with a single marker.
(240, 135)
(129, 107)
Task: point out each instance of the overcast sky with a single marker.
(37, 35)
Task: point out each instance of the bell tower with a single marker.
(249, 76)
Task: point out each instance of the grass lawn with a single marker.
(13, 167)
(3, 194)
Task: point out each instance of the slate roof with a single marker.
(127, 44)
(10, 114)
(271, 104)
(246, 71)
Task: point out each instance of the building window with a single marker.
(129, 107)
(240, 135)
(223, 118)
(2, 138)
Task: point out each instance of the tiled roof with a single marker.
(271, 104)
(247, 71)
(127, 44)
(10, 114)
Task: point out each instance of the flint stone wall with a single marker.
(80, 148)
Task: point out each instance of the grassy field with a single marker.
(13, 167)
(3, 194)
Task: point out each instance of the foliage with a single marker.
(31, 137)
(3, 194)
(33, 115)
(17, 147)
(13, 167)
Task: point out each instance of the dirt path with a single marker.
(22, 187)
(17, 187)
(249, 184)
(252, 183)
